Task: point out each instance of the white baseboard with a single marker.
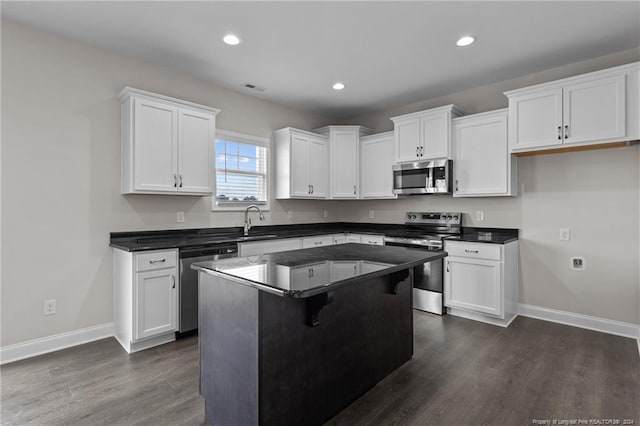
(53, 343)
(604, 325)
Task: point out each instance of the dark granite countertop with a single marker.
(307, 272)
(487, 235)
(182, 238)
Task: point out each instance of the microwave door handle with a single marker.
(429, 183)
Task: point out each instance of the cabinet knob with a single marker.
(559, 133)
(173, 278)
(456, 185)
(354, 190)
(175, 180)
(180, 181)
(417, 151)
(566, 131)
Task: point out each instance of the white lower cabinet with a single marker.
(145, 297)
(481, 281)
(269, 246)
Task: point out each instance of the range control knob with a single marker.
(456, 217)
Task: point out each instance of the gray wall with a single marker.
(595, 193)
(61, 175)
(60, 181)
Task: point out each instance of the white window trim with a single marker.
(241, 137)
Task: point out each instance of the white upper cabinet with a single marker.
(167, 145)
(483, 165)
(424, 135)
(376, 162)
(594, 108)
(302, 164)
(344, 164)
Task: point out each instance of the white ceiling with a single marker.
(387, 53)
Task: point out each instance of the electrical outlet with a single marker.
(372, 214)
(180, 217)
(565, 234)
(479, 215)
(50, 307)
(290, 214)
(578, 263)
(325, 213)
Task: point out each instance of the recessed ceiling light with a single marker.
(465, 41)
(231, 39)
(338, 86)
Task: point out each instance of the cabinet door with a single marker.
(339, 239)
(309, 275)
(343, 269)
(481, 156)
(376, 162)
(435, 136)
(319, 167)
(300, 150)
(595, 110)
(156, 303)
(375, 240)
(344, 163)
(196, 133)
(535, 119)
(407, 140)
(474, 285)
(155, 146)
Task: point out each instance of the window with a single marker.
(241, 171)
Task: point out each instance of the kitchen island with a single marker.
(294, 337)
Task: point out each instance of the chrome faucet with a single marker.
(247, 220)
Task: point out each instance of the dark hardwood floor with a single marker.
(463, 372)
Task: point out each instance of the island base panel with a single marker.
(276, 369)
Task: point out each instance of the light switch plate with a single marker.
(372, 214)
(565, 234)
(180, 217)
(479, 215)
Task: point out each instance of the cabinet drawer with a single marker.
(150, 260)
(473, 250)
(376, 240)
(324, 240)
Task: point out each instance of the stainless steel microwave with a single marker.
(423, 177)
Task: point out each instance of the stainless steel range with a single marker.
(426, 231)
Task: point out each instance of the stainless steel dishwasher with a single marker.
(188, 285)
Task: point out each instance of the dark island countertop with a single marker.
(308, 272)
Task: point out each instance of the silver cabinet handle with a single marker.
(354, 190)
(317, 243)
(173, 278)
(309, 273)
(308, 189)
(312, 189)
(312, 272)
(175, 180)
(180, 181)
(566, 131)
(456, 185)
(421, 151)
(417, 151)
(447, 266)
(153, 262)
(559, 133)
(470, 251)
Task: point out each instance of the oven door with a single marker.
(428, 281)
